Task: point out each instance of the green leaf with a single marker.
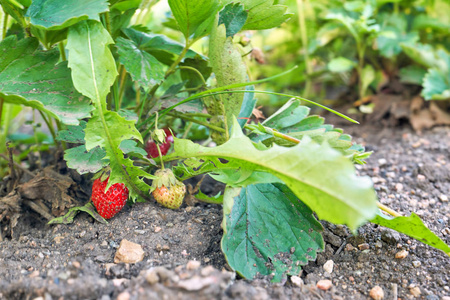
(130, 147)
(323, 178)
(293, 119)
(248, 104)
(158, 45)
(34, 78)
(436, 86)
(48, 37)
(92, 63)
(192, 78)
(263, 14)
(341, 64)
(191, 14)
(73, 134)
(78, 158)
(70, 215)
(233, 16)
(412, 74)
(143, 67)
(269, 230)
(424, 55)
(413, 227)
(54, 15)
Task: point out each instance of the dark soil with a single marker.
(411, 173)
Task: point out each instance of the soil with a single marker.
(411, 172)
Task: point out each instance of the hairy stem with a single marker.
(200, 122)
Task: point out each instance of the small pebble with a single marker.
(157, 229)
(349, 247)
(328, 266)
(401, 254)
(193, 265)
(363, 246)
(415, 291)
(416, 263)
(376, 293)
(324, 285)
(297, 281)
(124, 296)
(399, 187)
(152, 277)
(421, 177)
(382, 162)
(443, 198)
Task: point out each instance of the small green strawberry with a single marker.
(169, 192)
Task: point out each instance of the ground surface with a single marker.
(411, 173)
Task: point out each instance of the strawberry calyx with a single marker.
(165, 178)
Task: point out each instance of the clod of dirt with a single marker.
(129, 253)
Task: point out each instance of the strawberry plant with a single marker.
(107, 81)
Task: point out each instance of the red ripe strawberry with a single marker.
(151, 149)
(169, 191)
(110, 203)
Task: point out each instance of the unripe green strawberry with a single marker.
(169, 192)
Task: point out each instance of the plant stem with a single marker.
(195, 71)
(206, 94)
(361, 51)
(59, 126)
(278, 134)
(123, 77)
(204, 123)
(108, 22)
(210, 92)
(4, 25)
(50, 126)
(304, 37)
(178, 60)
(62, 52)
(388, 210)
(160, 156)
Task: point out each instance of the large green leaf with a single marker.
(93, 72)
(32, 77)
(323, 178)
(92, 63)
(263, 14)
(143, 67)
(54, 14)
(268, 230)
(414, 227)
(436, 86)
(193, 16)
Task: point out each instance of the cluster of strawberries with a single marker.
(168, 191)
